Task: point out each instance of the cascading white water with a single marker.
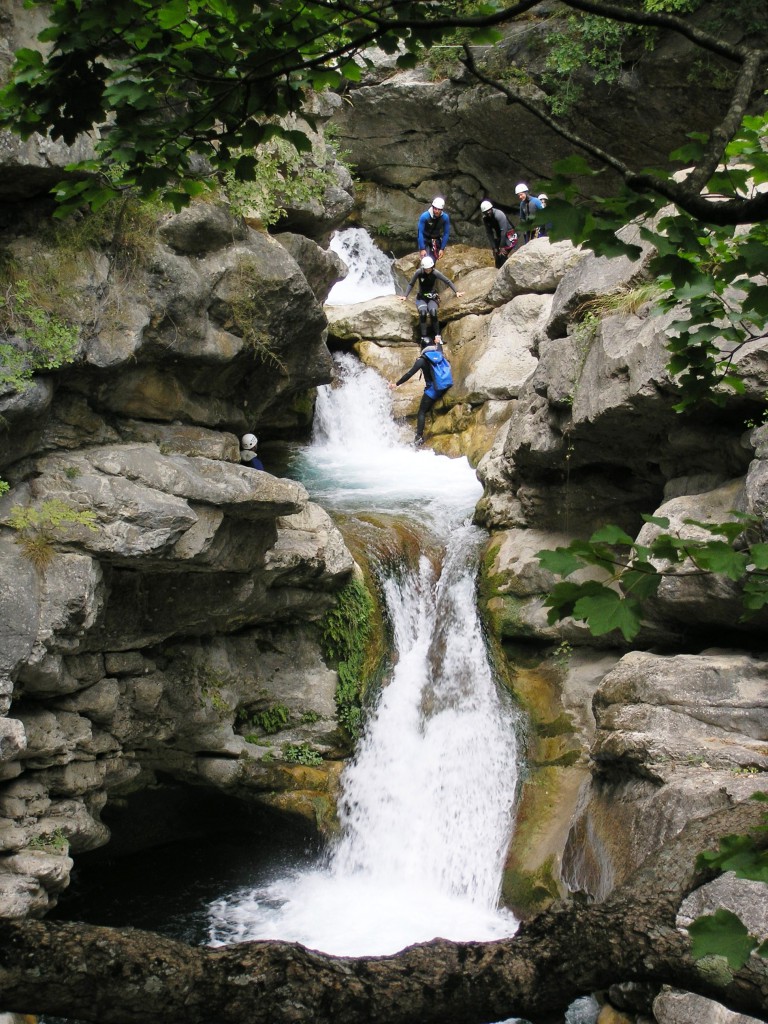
(369, 269)
(427, 801)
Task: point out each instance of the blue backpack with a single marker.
(442, 378)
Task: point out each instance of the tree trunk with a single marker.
(124, 976)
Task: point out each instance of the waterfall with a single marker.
(369, 269)
(360, 459)
(427, 800)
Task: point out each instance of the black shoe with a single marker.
(418, 442)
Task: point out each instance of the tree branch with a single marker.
(660, 19)
(122, 976)
(686, 194)
(722, 134)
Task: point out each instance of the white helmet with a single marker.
(427, 263)
(438, 203)
(522, 187)
(486, 205)
(543, 197)
(249, 441)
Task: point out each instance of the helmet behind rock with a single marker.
(427, 263)
(486, 205)
(249, 441)
(522, 187)
(438, 203)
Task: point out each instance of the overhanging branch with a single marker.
(686, 194)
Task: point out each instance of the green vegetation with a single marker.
(282, 177)
(250, 313)
(584, 50)
(273, 719)
(710, 275)
(37, 525)
(126, 231)
(302, 753)
(583, 41)
(41, 305)
(211, 694)
(216, 78)
(345, 634)
(722, 933)
(632, 573)
(50, 842)
(45, 341)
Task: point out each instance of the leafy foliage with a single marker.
(710, 275)
(216, 78)
(345, 633)
(722, 933)
(738, 853)
(37, 525)
(272, 719)
(281, 177)
(630, 573)
(50, 842)
(584, 41)
(302, 753)
(40, 339)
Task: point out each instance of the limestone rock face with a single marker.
(465, 141)
(676, 736)
(144, 635)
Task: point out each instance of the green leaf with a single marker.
(758, 556)
(642, 580)
(485, 36)
(661, 521)
(172, 13)
(352, 71)
(728, 530)
(561, 599)
(719, 557)
(604, 611)
(561, 561)
(721, 934)
(611, 534)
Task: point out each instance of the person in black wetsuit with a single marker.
(427, 298)
(501, 235)
(431, 393)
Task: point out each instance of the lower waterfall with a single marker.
(427, 801)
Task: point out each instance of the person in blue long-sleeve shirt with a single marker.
(434, 229)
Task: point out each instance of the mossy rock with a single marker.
(527, 892)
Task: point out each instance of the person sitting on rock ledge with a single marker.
(248, 455)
